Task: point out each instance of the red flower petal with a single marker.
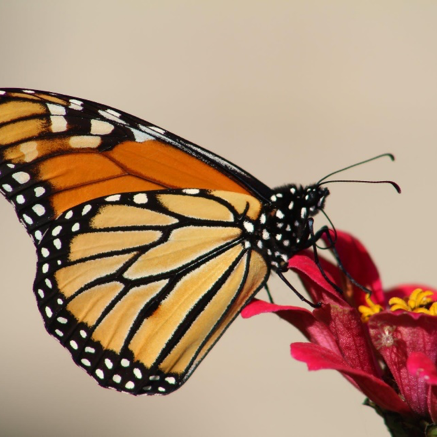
(360, 266)
(334, 327)
(301, 318)
(421, 366)
(378, 391)
(315, 284)
(397, 336)
(350, 335)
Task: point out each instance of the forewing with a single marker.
(139, 286)
(57, 152)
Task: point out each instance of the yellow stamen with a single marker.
(433, 309)
(370, 310)
(419, 298)
(418, 302)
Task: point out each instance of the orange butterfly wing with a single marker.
(138, 287)
(43, 139)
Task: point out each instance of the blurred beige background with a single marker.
(289, 90)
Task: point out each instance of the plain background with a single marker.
(289, 90)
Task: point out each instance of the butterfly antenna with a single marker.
(393, 184)
(388, 155)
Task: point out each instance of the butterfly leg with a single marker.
(316, 237)
(300, 296)
(269, 295)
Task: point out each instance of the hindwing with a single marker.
(139, 286)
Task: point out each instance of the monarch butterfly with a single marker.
(148, 245)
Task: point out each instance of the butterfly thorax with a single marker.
(286, 230)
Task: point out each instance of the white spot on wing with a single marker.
(249, 226)
(39, 210)
(157, 129)
(56, 109)
(141, 136)
(29, 151)
(56, 231)
(58, 123)
(191, 191)
(76, 104)
(86, 209)
(113, 198)
(85, 141)
(112, 115)
(27, 219)
(21, 177)
(140, 198)
(74, 345)
(39, 191)
(112, 112)
(99, 127)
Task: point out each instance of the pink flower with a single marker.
(384, 344)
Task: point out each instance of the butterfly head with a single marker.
(292, 207)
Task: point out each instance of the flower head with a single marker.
(385, 343)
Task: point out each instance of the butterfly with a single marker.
(148, 245)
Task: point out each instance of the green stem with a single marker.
(401, 426)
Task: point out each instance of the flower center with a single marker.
(369, 310)
(419, 301)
